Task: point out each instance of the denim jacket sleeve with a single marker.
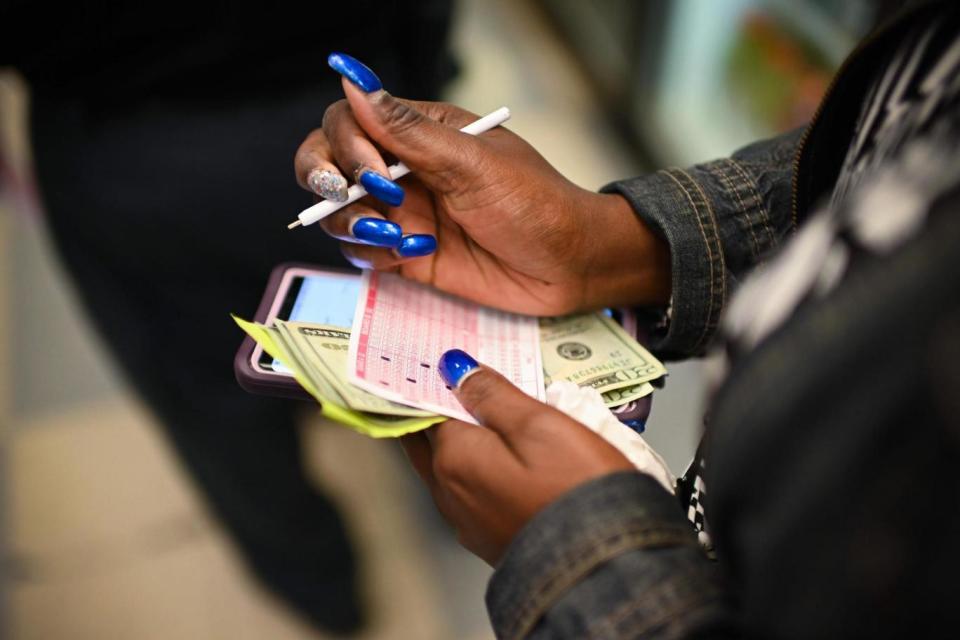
(613, 558)
(720, 219)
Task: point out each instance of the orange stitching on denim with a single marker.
(706, 243)
(728, 183)
(764, 214)
(623, 612)
(712, 310)
(716, 232)
(585, 558)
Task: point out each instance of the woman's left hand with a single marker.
(489, 482)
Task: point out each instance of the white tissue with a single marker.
(585, 405)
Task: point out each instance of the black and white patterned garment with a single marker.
(900, 160)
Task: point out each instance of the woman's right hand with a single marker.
(511, 232)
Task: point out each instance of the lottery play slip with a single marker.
(401, 328)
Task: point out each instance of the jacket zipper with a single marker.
(805, 136)
(802, 143)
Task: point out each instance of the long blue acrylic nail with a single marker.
(377, 232)
(382, 187)
(416, 245)
(454, 366)
(354, 71)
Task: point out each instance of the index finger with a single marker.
(418, 451)
(465, 454)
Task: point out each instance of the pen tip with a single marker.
(294, 224)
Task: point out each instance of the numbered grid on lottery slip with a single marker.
(409, 331)
(512, 346)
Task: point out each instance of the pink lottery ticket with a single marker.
(401, 328)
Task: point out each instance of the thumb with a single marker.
(425, 136)
(489, 397)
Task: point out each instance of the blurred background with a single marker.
(102, 532)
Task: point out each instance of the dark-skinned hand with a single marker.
(489, 481)
(485, 217)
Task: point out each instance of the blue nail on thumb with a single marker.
(454, 366)
(354, 71)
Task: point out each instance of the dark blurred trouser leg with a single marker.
(169, 217)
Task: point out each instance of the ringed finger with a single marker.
(355, 152)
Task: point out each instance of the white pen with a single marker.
(324, 208)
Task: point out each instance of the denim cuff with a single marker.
(571, 537)
(720, 219)
(674, 205)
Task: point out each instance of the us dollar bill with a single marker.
(333, 406)
(589, 350)
(618, 397)
(324, 350)
(592, 350)
(295, 361)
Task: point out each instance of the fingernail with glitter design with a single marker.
(355, 71)
(381, 187)
(328, 184)
(455, 366)
(416, 245)
(377, 232)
